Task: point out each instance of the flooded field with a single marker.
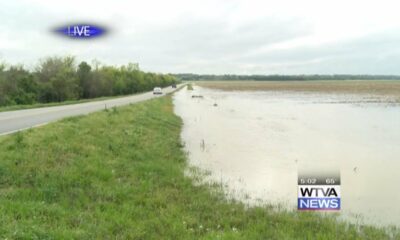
(255, 142)
(371, 91)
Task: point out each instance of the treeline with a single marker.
(57, 79)
(194, 77)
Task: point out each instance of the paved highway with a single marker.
(13, 121)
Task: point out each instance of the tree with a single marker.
(17, 86)
(84, 77)
(58, 79)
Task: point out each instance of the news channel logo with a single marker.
(319, 192)
(81, 31)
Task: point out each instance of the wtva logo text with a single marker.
(318, 197)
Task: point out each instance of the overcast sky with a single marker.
(212, 36)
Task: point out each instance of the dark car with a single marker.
(173, 86)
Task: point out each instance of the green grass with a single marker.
(52, 104)
(189, 86)
(119, 174)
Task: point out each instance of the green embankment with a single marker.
(119, 174)
(54, 104)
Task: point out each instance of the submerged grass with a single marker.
(119, 174)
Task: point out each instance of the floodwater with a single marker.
(255, 143)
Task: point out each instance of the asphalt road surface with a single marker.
(13, 121)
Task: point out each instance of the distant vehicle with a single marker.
(173, 86)
(157, 90)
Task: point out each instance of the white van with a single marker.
(157, 90)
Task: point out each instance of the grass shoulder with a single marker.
(53, 104)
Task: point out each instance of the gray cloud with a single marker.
(214, 39)
(372, 54)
